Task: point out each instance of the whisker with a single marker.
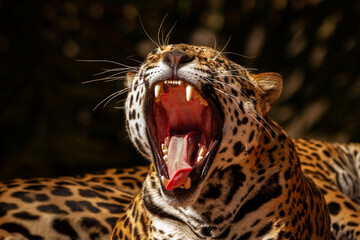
(230, 85)
(106, 100)
(242, 78)
(231, 95)
(159, 30)
(120, 101)
(266, 123)
(222, 49)
(133, 59)
(267, 130)
(111, 78)
(238, 54)
(142, 25)
(120, 108)
(168, 34)
(214, 40)
(118, 70)
(107, 61)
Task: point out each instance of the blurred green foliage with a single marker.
(48, 127)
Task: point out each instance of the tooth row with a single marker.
(165, 152)
(190, 93)
(173, 82)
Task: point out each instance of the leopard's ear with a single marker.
(270, 86)
(129, 78)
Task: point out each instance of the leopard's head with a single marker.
(190, 110)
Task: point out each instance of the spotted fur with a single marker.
(260, 184)
(83, 207)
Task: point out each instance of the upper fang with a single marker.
(189, 92)
(157, 90)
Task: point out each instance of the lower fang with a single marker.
(202, 151)
(187, 185)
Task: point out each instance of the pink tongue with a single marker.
(180, 149)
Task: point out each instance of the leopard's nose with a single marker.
(175, 59)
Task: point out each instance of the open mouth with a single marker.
(184, 130)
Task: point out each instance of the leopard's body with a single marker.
(83, 207)
(254, 182)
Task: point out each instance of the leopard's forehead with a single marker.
(187, 48)
(204, 54)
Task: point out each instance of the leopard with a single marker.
(220, 168)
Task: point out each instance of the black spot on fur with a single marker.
(238, 148)
(213, 192)
(111, 221)
(22, 196)
(61, 191)
(91, 194)
(62, 226)
(4, 207)
(264, 230)
(35, 187)
(41, 197)
(25, 216)
(350, 206)
(334, 208)
(245, 236)
(102, 189)
(113, 208)
(268, 191)
(89, 223)
(132, 114)
(51, 208)
(251, 136)
(17, 228)
(80, 206)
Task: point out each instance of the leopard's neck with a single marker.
(231, 204)
(233, 196)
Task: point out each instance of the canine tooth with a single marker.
(187, 185)
(199, 159)
(189, 92)
(164, 181)
(164, 149)
(202, 151)
(165, 157)
(157, 90)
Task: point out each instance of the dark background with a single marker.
(48, 127)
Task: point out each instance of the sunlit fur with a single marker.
(255, 157)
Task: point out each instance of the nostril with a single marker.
(176, 58)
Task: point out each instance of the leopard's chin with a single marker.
(185, 129)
